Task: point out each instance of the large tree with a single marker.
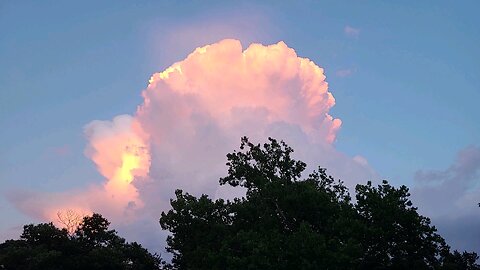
(92, 246)
(285, 222)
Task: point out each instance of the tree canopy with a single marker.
(285, 222)
(91, 246)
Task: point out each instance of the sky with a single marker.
(111, 106)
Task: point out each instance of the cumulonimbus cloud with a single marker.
(194, 112)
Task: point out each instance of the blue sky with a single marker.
(406, 77)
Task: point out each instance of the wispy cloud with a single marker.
(62, 151)
(351, 32)
(342, 73)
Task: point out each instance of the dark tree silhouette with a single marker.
(288, 223)
(92, 246)
(284, 222)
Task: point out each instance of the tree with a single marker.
(39, 247)
(285, 222)
(93, 232)
(70, 219)
(396, 236)
(460, 261)
(92, 246)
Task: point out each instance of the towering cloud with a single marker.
(223, 81)
(194, 112)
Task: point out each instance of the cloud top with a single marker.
(226, 79)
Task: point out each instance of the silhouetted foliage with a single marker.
(283, 222)
(396, 236)
(457, 261)
(287, 223)
(92, 246)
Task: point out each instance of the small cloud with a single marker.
(429, 177)
(351, 31)
(360, 160)
(62, 150)
(342, 73)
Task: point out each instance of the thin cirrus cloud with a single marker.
(193, 113)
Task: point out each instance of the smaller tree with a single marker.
(94, 231)
(70, 219)
(45, 234)
(92, 246)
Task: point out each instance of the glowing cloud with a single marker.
(194, 112)
(120, 155)
(222, 78)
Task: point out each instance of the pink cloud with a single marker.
(221, 78)
(194, 113)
